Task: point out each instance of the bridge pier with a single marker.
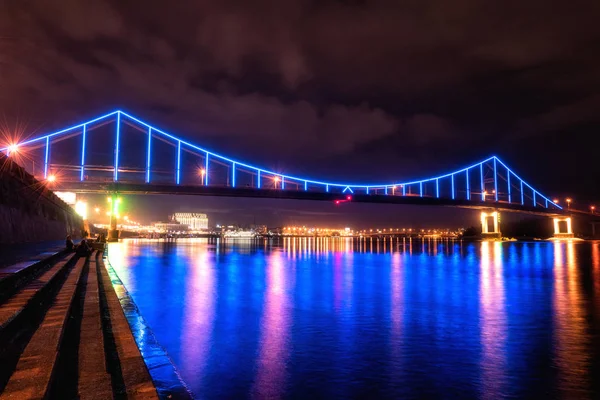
(113, 232)
(563, 228)
(490, 225)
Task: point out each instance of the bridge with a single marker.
(120, 153)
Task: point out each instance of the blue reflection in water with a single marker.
(372, 318)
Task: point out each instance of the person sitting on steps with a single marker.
(83, 249)
(69, 243)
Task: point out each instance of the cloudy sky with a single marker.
(332, 89)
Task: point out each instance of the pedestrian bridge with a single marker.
(120, 153)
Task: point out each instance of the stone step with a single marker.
(15, 276)
(36, 366)
(130, 377)
(94, 380)
(30, 295)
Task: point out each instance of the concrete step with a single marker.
(129, 373)
(15, 276)
(32, 377)
(94, 381)
(30, 295)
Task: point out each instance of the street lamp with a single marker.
(276, 179)
(592, 208)
(202, 173)
(394, 190)
(12, 149)
(568, 203)
(51, 178)
(484, 194)
(555, 201)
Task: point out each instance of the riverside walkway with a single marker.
(63, 333)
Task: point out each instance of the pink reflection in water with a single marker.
(273, 353)
(199, 312)
(396, 312)
(493, 320)
(571, 340)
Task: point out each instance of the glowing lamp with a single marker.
(337, 202)
(51, 178)
(12, 148)
(97, 209)
(555, 201)
(81, 209)
(348, 197)
(276, 179)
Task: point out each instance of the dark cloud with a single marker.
(385, 87)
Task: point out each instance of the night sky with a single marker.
(349, 90)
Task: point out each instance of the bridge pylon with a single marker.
(113, 231)
(563, 228)
(490, 224)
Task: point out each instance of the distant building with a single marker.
(170, 227)
(195, 221)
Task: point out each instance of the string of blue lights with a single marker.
(277, 176)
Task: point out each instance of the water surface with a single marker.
(394, 318)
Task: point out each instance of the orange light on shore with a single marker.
(51, 178)
(555, 201)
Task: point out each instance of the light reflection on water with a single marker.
(393, 318)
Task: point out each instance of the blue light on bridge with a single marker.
(482, 184)
(46, 157)
(508, 184)
(495, 181)
(233, 175)
(117, 140)
(522, 197)
(88, 125)
(178, 161)
(82, 154)
(148, 155)
(206, 170)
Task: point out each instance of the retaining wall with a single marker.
(29, 211)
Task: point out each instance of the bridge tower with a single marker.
(563, 228)
(490, 224)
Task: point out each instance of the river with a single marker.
(397, 318)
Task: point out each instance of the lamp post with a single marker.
(275, 180)
(592, 209)
(202, 173)
(568, 203)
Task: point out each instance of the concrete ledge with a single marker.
(166, 379)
